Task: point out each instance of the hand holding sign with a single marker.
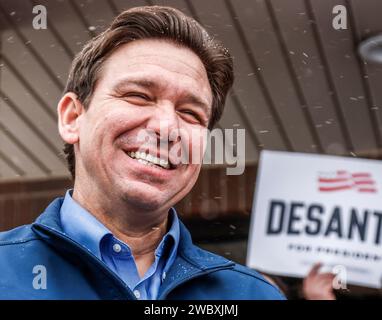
(318, 286)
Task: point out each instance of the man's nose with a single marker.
(164, 121)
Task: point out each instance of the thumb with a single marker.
(315, 269)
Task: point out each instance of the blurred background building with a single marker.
(300, 86)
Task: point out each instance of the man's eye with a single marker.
(137, 98)
(191, 115)
(137, 95)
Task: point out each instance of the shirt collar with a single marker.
(174, 234)
(82, 227)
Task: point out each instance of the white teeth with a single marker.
(148, 159)
(163, 163)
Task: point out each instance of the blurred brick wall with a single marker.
(22, 201)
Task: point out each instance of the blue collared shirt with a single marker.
(84, 228)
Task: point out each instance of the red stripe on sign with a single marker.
(329, 180)
(361, 175)
(363, 182)
(367, 190)
(326, 189)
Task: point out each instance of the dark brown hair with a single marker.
(150, 22)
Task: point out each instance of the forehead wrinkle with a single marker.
(200, 71)
(200, 75)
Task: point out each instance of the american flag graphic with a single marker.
(345, 180)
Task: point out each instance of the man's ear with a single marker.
(69, 110)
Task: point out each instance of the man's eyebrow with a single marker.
(147, 84)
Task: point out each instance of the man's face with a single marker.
(147, 88)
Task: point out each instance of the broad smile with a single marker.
(149, 160)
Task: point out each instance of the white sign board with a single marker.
(316, 208)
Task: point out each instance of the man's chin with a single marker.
(145, 201)
(146, 196)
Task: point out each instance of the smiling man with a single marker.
(152, 83)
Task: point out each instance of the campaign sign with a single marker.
(316, 208)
